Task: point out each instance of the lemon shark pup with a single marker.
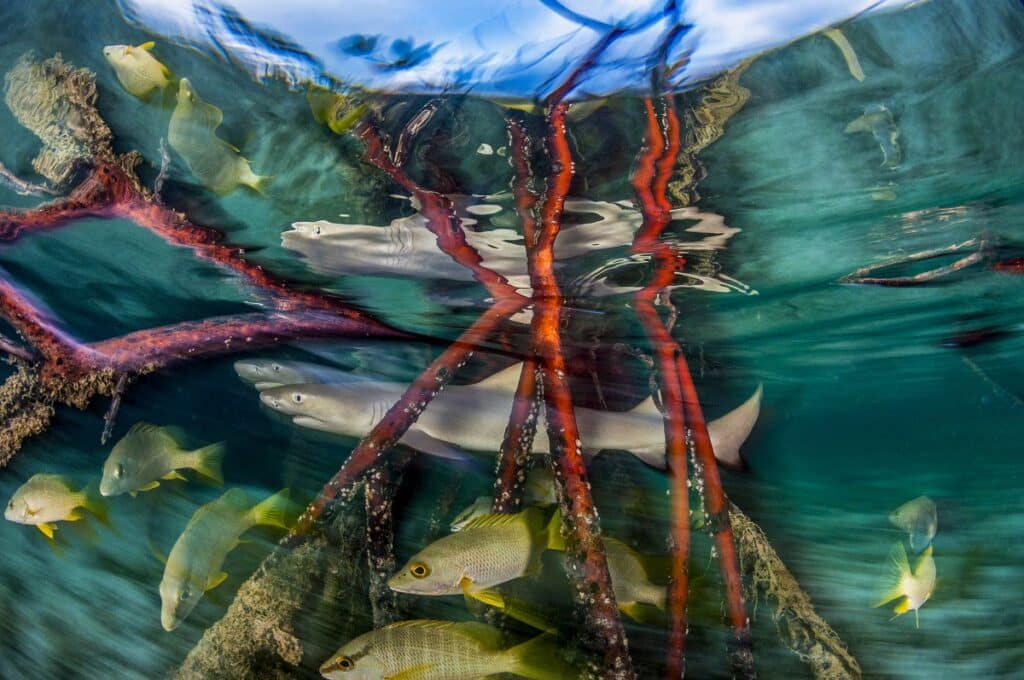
(474, 417)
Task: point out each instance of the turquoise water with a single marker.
(869, 400)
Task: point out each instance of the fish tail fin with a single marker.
(553, 532)
(647, 614)
(540, 659)
(272, 511)
(208, 460)
(95, 503)
(257, 183)
(730, 431)
(899, 569)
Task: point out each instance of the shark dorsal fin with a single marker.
(506, 379)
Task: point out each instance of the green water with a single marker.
(867, 404)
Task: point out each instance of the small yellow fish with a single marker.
(338, 112)
(488, 551)
(45, 499)
(194, 565)
(911, 588)
(149, 453)
(138, 70)
(919, 519)
(192, 133)
(631, 581)
(443, 650)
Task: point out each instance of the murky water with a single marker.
(793, 177)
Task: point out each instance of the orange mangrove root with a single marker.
(650, 180)
(585, 556)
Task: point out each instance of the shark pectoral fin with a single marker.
(216, 580)
(421, 441)
(47, 529)
(730, 431)
(149, 487)
(174, 474)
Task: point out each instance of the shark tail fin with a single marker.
(273, 510)
(730, 431)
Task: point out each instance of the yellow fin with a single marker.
(95, 503)
(514, 609)
(541, 659)
(47, 529)
(74, 516)
(497, 520)
(271, 511)
(216, 580)
(148, 45)
(174, 474)
(846, 49)
(133, 494)
(207, 462)
(924, 557)
(555, 540)
(899, 568)
(149, 487)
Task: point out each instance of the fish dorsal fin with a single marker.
(899, 568)
(495, 520)
(506, 379)
(148, 45)
(143, 426)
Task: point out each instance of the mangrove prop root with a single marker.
(653, 171)
(379, 494)
(585, 554)
(260, 637)
(800, 627)
(514, 454)
(57, 103)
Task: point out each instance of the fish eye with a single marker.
(419, 570)
(10, 505)
(119, 471)
(185, 594)
(297, 398)
(346, 664)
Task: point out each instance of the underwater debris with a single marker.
(57, 102)
(799, 625)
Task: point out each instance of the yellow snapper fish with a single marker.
(338, 112)
(192, 133)
(139, 71)
(196, 560)
(919, 519)
(46, 499)
(489, 550)
(425, 649)
(149, 453)
(911, 588)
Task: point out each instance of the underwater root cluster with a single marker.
(334, 554)
(800, 626)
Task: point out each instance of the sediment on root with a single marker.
(800, 627)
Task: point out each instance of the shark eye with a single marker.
(297, 398)
(276, 367)
(419, 570)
